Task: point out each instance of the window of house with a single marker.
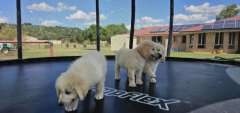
(157, 39)
(231, 40)
(191, 39)
(184, 38)
(201, 40)
(219, 40)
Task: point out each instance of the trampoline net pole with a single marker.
(170, 34)
(97, 25)
(19, 30)
(132, 24)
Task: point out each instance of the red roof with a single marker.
(195, 28)
(233, 18)
(145, 30)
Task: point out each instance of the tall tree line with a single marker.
(8, 32)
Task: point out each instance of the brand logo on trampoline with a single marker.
(141, 98)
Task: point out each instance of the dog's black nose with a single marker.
(60, 104)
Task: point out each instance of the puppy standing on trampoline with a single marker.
(74, 84)
(144, 58)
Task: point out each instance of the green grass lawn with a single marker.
(61, 51)
(203, 55)
(42, 51)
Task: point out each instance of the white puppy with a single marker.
(74, 84)
(134, 60)
(151, 64)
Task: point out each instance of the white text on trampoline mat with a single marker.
(162, 104)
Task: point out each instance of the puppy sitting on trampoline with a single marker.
(74, 84)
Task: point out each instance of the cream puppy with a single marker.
(74, 84)
(158, 55)
(134, 61)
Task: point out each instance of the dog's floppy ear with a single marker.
(79, 93)
(163, 50)
(144, 49)
(81, 90)
(59, 81)
(59, 96)
(57, 92)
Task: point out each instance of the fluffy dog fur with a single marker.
(74, 84)
(151, 64)
(143, 58)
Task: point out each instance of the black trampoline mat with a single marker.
(181, 87)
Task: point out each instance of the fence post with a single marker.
(51, 49)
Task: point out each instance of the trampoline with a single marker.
(182, 87)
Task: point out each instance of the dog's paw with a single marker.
(153, 80)
(132, 84)
(139, 82)
(99, 96)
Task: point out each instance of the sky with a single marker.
(81, 13)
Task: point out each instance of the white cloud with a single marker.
(50, 23)
(202, 13)
(43, 6)
(205, 8)
(80, 15)
(3, 20)
(190, 18)
(84, 16)
(147, 19)
(61, 7)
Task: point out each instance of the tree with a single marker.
(229, 11)
(90, 34)
(114, 29)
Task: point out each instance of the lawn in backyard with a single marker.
(44, 51)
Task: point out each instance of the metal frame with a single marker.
(170, 34)
(97, 26)
(111, 57)
(133, 10)
(19, 30)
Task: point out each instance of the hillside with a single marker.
(8, 32)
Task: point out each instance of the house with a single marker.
(55, 42)
(220, 35)
(121, 41)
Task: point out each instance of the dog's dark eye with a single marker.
(67, 92)
(153, 49)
